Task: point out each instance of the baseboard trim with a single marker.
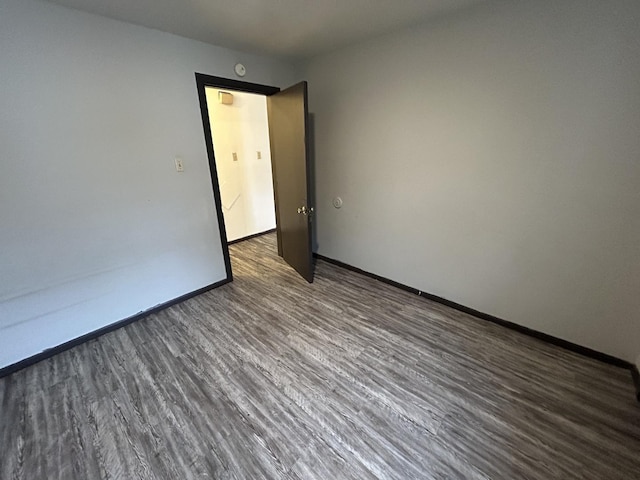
(50, 352)
(249, 237)
(635, 374)
(587, 352)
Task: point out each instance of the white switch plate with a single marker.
(259, 154)
(179, 165)
(235, 157)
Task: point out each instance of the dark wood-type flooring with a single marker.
(347, 378)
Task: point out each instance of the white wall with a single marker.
(95, 223)
(246, 184)
(493, 158)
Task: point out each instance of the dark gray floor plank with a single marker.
(13, 413)
(346, 378)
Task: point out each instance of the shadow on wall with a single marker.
(311, 155)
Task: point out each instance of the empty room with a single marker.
(295, 239)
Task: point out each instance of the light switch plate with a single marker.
(179, 165)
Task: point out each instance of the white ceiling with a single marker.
(288, 28)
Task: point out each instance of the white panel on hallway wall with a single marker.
(246, 185)
(96, 225)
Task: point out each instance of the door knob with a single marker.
(305, 211)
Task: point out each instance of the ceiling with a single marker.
(288, 28)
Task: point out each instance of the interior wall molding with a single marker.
(50, 352)
(249, 237)
(588, 352)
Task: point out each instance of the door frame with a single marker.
(203, 81)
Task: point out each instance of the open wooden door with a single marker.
(288, 111)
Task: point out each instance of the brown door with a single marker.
(289, 143)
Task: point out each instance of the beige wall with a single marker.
(493, 158)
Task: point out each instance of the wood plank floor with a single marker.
(347, 378)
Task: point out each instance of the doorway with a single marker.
(287, 113)
(240, 133)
